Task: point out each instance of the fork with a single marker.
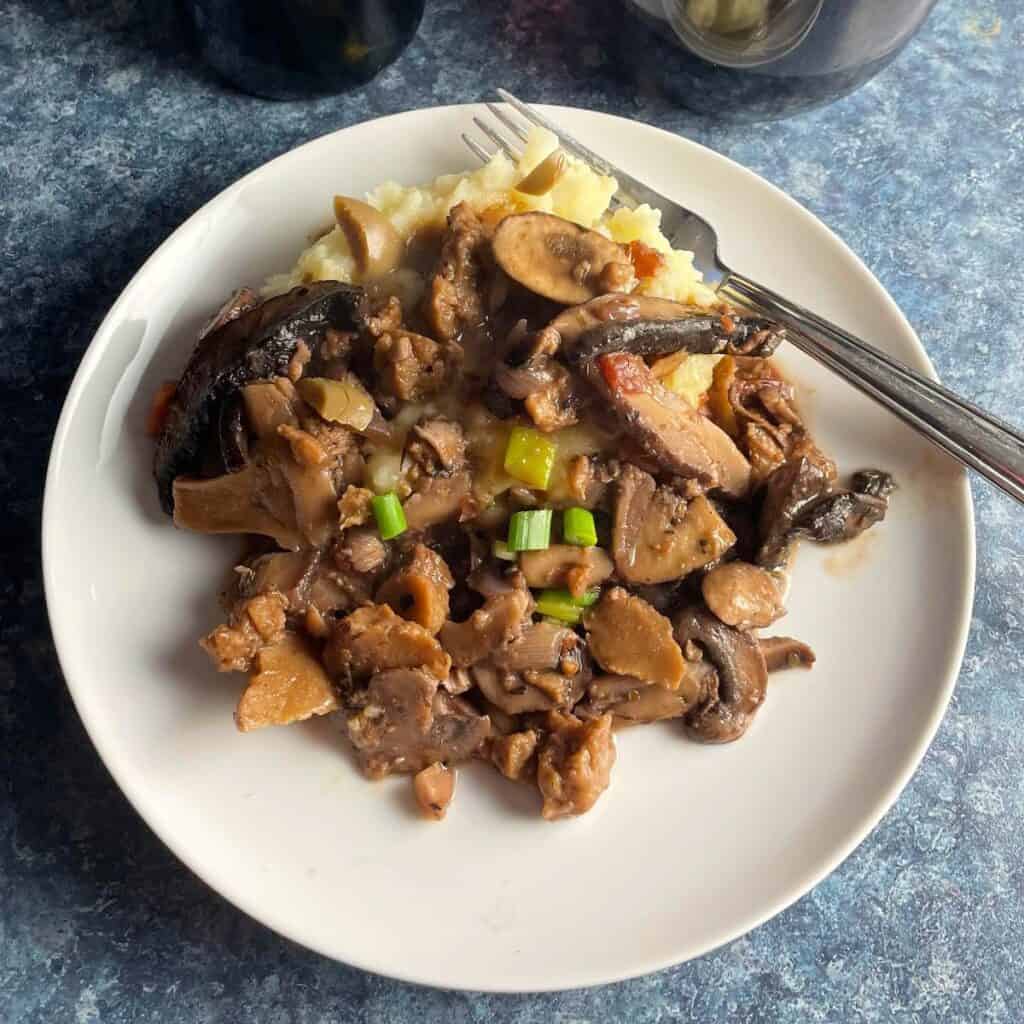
(974, 437)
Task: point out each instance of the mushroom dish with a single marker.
(500, 496)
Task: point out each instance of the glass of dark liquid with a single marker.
(752, 60)
(295, 49)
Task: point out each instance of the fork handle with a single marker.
(974, 437)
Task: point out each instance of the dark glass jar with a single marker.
(294, 49)
(754, 60)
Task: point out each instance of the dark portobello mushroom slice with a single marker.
(697, 334)
(258, 344)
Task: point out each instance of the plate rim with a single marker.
(909, 760)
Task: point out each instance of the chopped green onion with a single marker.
(503, 551)
(530, 531)
(390, 516)
(578, 527)
(561, 605)
(529, 457)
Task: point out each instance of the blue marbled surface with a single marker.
(111, 134)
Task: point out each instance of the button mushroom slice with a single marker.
(419, 590)
(374, 639)
(682, 440)
(376, 246)
(566, 565)
(560, 260)
(502, 618)
(404, 725)
(438, 445)
(270, 410)
(288, 573)
(729, 699)
(258, 344)
(743, 595)
(544, 667)
(517, 693)
(434, 787)
(289, 685)
(437, 499)
(633, 700)
(659, 536)
(627, 636)
(782, 652)
(574, 763)
(362, 551)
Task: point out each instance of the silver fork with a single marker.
(976, 438)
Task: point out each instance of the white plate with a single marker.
(691, 846)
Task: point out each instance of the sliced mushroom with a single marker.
(668, 427)
(545, 176)
(375, 244)
(791, 489)
(698, 333)
(235, 503)
(405, 725)
(633, 700)
(749, 335)
(560, 260)
(437, 499)
(730, 697)
(784, 652)
(628, 637)
(438, 445)
(566, 565)
(658, 536)
(800, 503)
(501, 619)
(743, 595)
(289, 685)
(258, 344)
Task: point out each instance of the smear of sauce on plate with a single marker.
(851, 556)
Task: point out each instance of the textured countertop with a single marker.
(111, 134)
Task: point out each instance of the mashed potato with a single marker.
(580, 195)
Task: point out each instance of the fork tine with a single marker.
(512, 126)
(476, 149)
(577, 149)
(499, 140)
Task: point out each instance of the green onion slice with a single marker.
(578, 527)
(530, 530)
(390, 516)
(530, 456)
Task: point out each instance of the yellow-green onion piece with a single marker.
(530, 456)
(390, 516)
(503, 551)
(530, 531)
(578, 527)
(561, 605)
